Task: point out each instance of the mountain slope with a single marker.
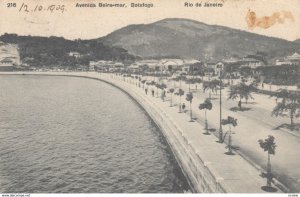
(297, 41)
(54, 51)
(191, 39)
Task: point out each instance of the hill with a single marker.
(297, 41)
(54, 51)
(191, 39)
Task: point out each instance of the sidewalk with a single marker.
(252, 126)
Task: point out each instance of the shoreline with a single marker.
(188, 158)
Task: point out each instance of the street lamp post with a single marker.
(180, 95)
(220, 129)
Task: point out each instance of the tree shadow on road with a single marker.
(296, 127)
(209, 130)
(236, 109)
(250, 103)
(269, 189)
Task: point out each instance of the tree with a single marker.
(229, 121)
(171, 90)
(211, 86)
(143, 82)
(268, 145)
(207, 105)
(189, 98)
(290, 103)
(241, 91)
(163, 86)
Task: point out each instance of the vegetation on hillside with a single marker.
(54, 51)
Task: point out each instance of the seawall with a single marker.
(202, 160)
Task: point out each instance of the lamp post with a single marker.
(180, 95)
(220, 129)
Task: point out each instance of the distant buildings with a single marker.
(244, 62)
(9, 57)
(104, 65)
(163, 65)
(289, 60)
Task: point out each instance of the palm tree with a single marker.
(211, 86)
(268, 145)
(241, 91)
(290, 103)
(171, 90)
(189, 98)
(207, 105)
(229, 121)
(143, 82)
(163, 86)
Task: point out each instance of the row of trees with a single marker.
(288, 104)
(239, 91)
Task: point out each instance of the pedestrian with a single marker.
(146, 90)
(183, 107)
(240, 104)
(152, 91)
(163, 95)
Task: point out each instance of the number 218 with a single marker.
(10, 5)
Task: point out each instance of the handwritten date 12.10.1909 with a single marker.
(41, 8)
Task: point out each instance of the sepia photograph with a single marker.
(154, 96)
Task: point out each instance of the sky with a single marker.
(276, 18)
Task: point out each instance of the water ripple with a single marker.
(62, 134)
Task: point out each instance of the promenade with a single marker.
(233, 173)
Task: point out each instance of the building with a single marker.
(251, 63)
(74, 54)
(294, 57)
(244, 62)
(165, 65)
(6, 64)
(134, 68)
(91, 68)
(218, 68)
(106, 65)
(289, 60)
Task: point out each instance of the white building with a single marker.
(165, 64)
(74, 54)
(6, 64)
(251, 62)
